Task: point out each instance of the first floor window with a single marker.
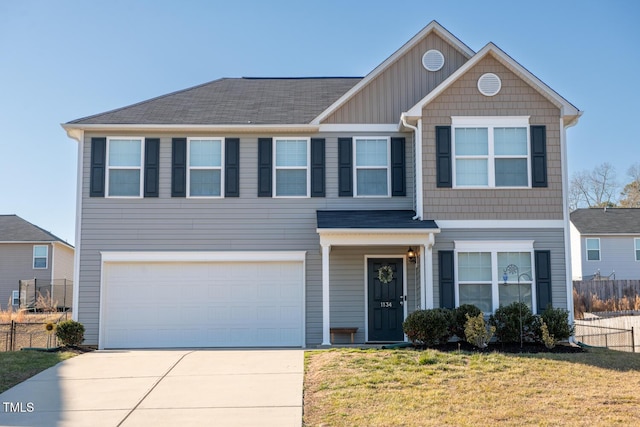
(637, 249)
(15, 298)
(291, 167)
(124, 167)
(372, 166)
(205, 167)
(40, 257)
(593, 249)
(491, 277)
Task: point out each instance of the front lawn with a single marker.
(350, 387)
(17, 366)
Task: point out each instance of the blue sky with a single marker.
(62, 60)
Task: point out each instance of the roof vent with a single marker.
(433, 60)
(489, 84)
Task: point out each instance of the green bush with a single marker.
(460, 318)
(70, 332)
(476, 332)
(428, 327)
(506, 319)
(557, 322)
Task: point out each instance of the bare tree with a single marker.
(630, 196)
(595, 188)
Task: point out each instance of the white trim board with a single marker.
(497, 224)
(238, 256)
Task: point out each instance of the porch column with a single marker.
(426, 279)
(326, 334)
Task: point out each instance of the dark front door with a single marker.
(386, 311)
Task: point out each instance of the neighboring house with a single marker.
(267, 211)
(605, 243)
(29, 252)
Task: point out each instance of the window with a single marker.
(372, 166)
(124, 167)
(593, 249)
(15, 298)
(291, 167)
(205, 176)
(481, 269)
(637, 247)
(40, 257)
(491, 151)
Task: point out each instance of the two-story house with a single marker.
(267, 211)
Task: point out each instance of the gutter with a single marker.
(74, 131)
(417, 131)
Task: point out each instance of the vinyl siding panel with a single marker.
(63, 262)
(16, 263)
(400, 86)
(617, 254)
(516, 98)
(245, 223)
(544, 239)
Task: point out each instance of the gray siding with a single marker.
(617, 254)
(246, 223)
(544, 239)
(63, 262)
(16, 263)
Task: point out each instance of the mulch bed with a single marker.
(510, 348)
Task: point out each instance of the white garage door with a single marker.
(202, 304)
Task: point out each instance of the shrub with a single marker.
(460, 318)
(70, 332)
(557, 323)
(507, 322)
(548, 340)
(429, 327)
(476, 332)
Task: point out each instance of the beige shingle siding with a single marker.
(400, 86)
(516, 98)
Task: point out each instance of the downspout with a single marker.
(417, 130)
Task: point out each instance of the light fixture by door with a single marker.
(411, 254)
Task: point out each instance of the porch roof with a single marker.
(372, 220)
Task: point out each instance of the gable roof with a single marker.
(569, 112)
(233, 101)
(15, 229)
(607, 221)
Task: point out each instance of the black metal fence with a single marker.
(45, 295)
(16, 335)
(604, 336)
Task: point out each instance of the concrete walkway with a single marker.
(162, 388)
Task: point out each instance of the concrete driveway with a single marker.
(162, 388)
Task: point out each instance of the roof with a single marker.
(15, 229)
(372, 220)
(234, 101)
(607, 221)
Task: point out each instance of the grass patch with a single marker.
(350, 387)
(17, 366)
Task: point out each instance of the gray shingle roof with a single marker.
(15, 229)
(609, 221)
(237, 101)
(371, 219)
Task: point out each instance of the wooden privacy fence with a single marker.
(607, 289)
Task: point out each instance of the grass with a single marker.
(350, 387)
(17, 366)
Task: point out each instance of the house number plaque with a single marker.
(386, 304)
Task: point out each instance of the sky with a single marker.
(62, 60)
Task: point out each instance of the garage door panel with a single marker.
(210, 304)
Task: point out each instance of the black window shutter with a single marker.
(232, 167)
(151, 167)
(98, 166)
(443, 156)
(317, 167)
(179, 167)
(447, 282)
(398, 167)
(539, 156)
(345, 167)
(265, 167)
(543, 279)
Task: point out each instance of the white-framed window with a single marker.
(371, 170)
(124, 166)
(291, 173)
(593, 249)
(491, 152)
(480, 274)
(15, 298)
(205, 177)
(636, 243)
(40, 257)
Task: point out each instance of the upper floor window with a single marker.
(40, 257)
(593, 249)
(637, 248)
(124, 167)
(291, 172)
(491, 151)
(371, 172)
(205, 176)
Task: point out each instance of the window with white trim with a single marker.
(637, 248)
(40, 257)
(124, 166)
(291, 171)
(491, 152)
(205, 177)
(593, 249)
(15, 298)
(481, 269)
(372, 164)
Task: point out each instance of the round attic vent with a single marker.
(433, 60)
(489, 84)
